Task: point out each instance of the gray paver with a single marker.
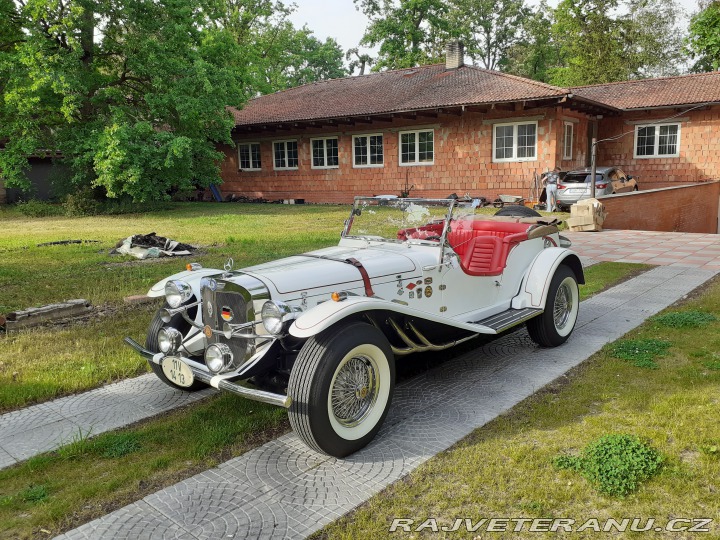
(45, 427)
(285, 490)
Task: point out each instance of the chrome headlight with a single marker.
(218, 356)
(177, 292)
(169, 340)
(276, 316)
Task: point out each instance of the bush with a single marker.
(614, 464)
(82, 203)
(35, 208)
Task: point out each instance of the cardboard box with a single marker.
(587, 215)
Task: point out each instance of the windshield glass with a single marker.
(400, 220)
(579, 178)
(397, 220)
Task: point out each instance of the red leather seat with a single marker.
(483, 246)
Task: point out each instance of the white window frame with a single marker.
(371, 165)
(284, 142)
(417, 148)
(567, 156)
(514, 158)
(657, 127)
(325, 156)
(249, 145)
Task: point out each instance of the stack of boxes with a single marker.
(587, 215)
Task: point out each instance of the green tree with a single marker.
(409, 32)
(703, 42)
(276, 54)
(536, 53)
(653, 39)
(590, 41)
(489, 28)
(290, 57)
(358, 61)
(132, 94)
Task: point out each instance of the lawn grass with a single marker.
(250, 233)
(90, 477)
(505, 469)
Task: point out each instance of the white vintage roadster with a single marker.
(318, 333)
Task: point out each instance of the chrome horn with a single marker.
(166, 314)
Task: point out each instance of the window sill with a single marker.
(417, 164)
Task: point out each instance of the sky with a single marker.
(339, 19)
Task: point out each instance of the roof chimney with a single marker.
(455, 54)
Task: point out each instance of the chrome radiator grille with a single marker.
(214, 304)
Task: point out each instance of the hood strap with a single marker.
(353, 261)
(365, 277)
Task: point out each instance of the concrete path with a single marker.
(41, 428)
(285, 490)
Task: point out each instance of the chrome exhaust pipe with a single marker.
(413, 347)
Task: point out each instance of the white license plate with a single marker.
(576, 191)
(177, 371)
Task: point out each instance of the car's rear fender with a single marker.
(534, 288)
(325, 315)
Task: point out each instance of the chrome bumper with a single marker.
(221, 384)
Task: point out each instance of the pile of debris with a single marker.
(149, 246)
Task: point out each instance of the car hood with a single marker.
(309, 271)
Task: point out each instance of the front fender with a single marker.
(191, 277)
(534, 289)
(323, 316)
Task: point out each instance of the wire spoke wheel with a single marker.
(562, 307)
(556, 323)
(354, 391)
(341, 385)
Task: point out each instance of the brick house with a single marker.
(456, 128)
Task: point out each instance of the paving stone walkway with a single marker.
(650, 247)
(41, 428)
(285, 490)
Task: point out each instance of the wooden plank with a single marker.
(30, 317)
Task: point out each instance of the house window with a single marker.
(249, 156)
(417, 147)
(368, 151)
(285, 154)
(324, 153)
(568, 141)
(515, 142)
(657, 141)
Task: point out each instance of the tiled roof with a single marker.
(663, 92)
(411, 89)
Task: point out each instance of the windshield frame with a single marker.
(449, 203)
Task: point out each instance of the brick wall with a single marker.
(683, 209)
(463, 160)
(699, 159)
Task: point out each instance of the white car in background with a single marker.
(318, 333)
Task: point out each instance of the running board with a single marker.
(508, 319)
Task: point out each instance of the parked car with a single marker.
(575, 185)
(319, 332)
